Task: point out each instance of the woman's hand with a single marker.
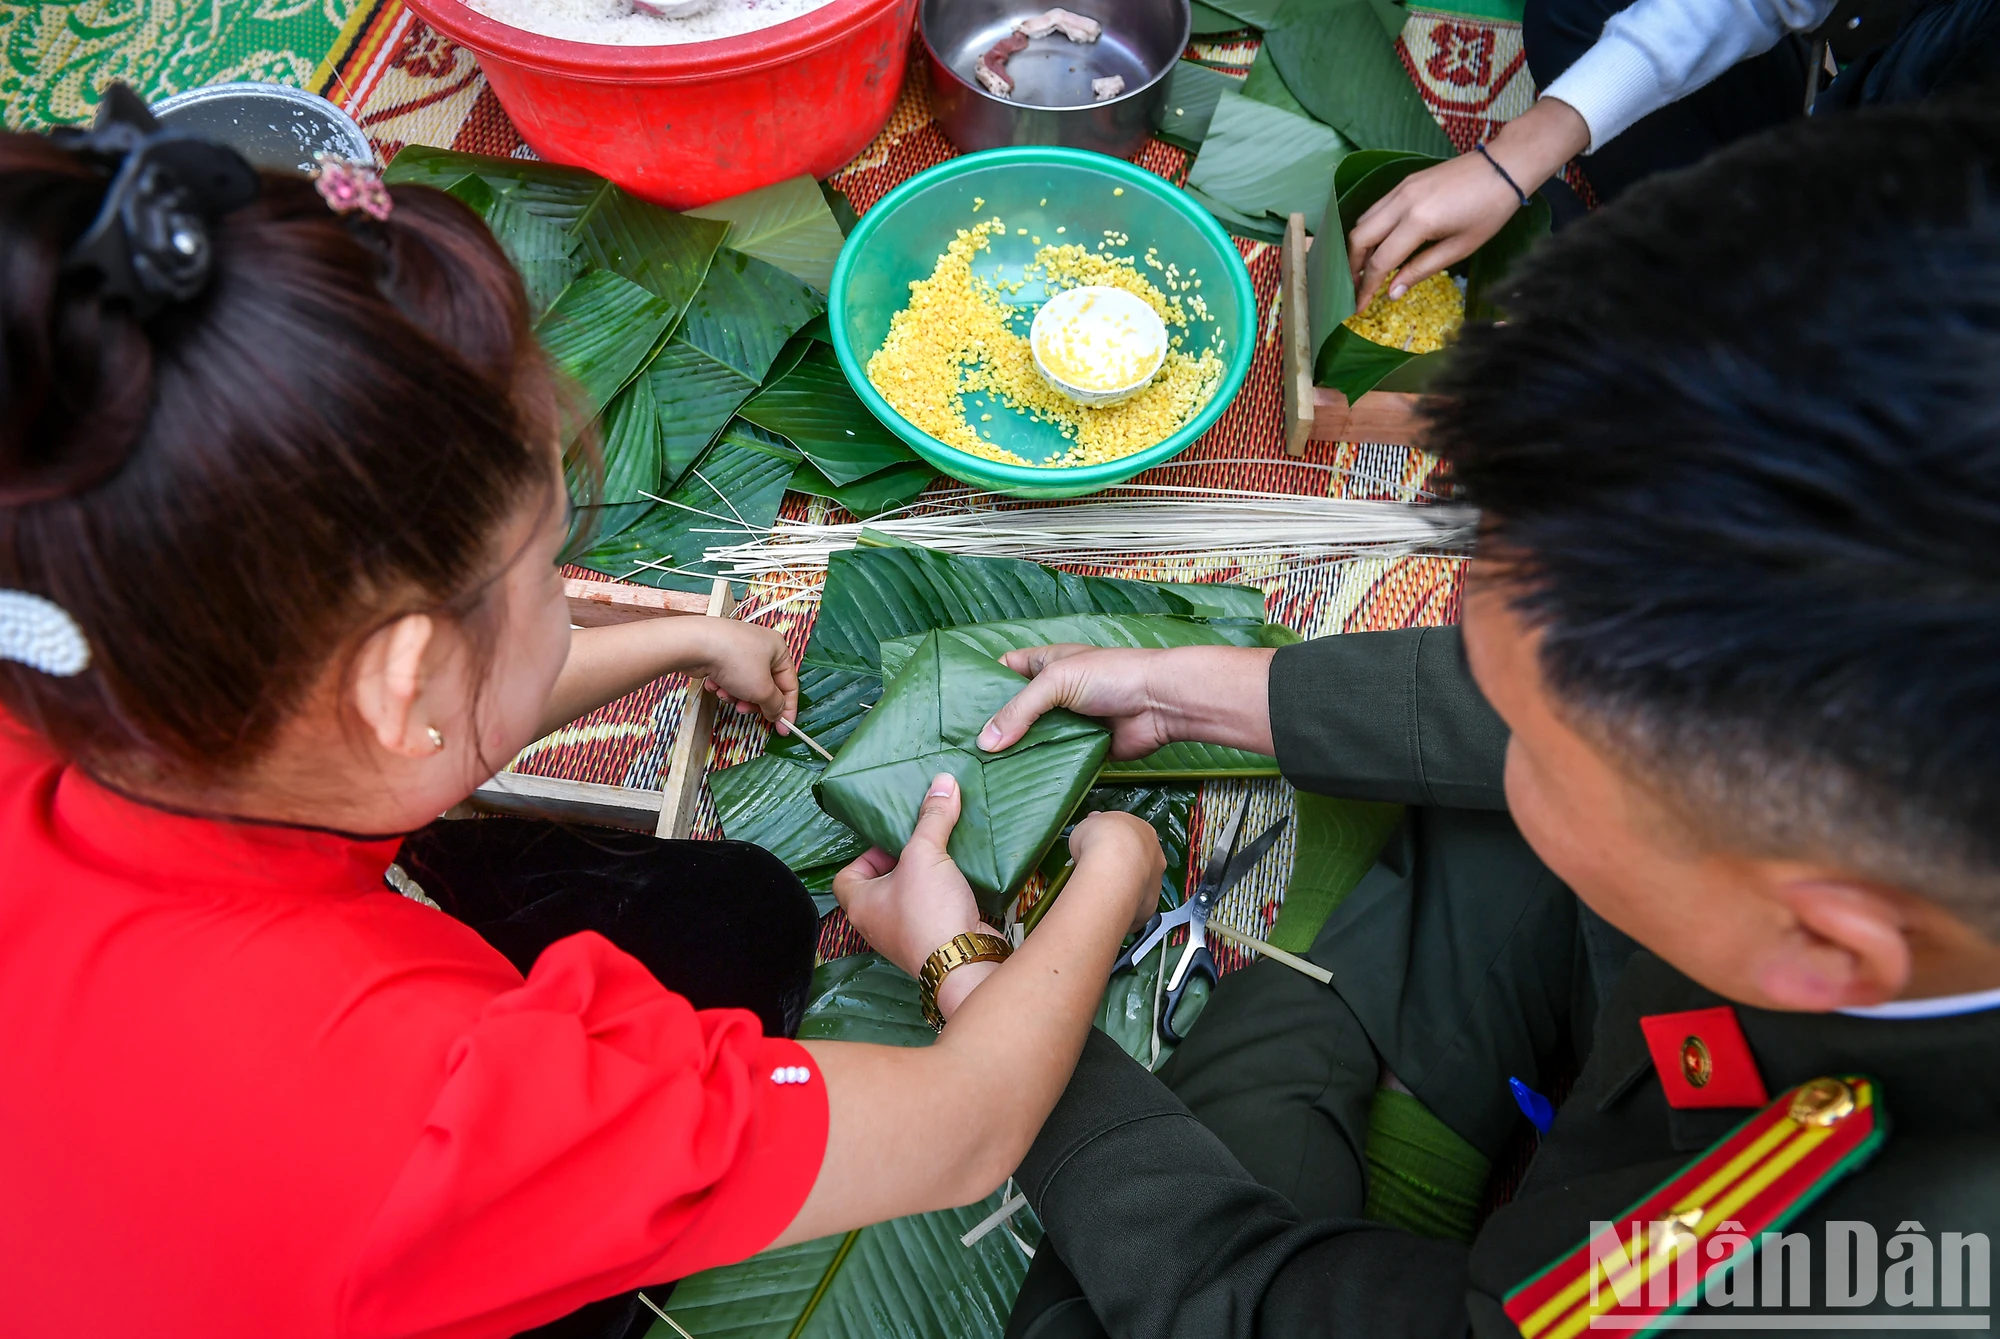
(908, 906)
(1457, 206)
(1150, 699)
(749, 666)
(911, 1129)
(1126, 841)
(743, 663)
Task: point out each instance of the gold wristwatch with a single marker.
(956, 952)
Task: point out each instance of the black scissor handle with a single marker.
(1201, 964)
(1125, 959)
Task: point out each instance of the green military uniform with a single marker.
(1225, 1197)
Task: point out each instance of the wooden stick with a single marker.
(689, 759)
(1320, 413)
(1291, 960)
(1295, 355)
(791, 728)
(549, 797)
(596, 604)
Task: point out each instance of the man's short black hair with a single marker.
(1740, 435)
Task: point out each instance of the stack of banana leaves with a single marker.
(1326, 122)
(696, 348)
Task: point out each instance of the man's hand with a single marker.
(1110, 685)
(1457, 206)
(907, 906)
(749, 666)
(1215, 694)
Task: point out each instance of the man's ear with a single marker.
(1846, 947)
(389, 680)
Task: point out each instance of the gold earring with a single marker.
(437, 740)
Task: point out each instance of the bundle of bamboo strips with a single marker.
(1144, 521)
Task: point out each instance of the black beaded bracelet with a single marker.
(1492, 162)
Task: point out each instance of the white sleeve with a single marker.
(1657, 52)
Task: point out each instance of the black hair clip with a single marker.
(150, 240)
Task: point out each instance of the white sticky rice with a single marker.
(612, 22)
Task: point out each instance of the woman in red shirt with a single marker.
(280, 516)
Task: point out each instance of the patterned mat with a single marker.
(406, 84)
(59, 53)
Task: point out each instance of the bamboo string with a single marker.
(1156, 522)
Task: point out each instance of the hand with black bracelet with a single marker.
(1451, 210)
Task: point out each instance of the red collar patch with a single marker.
(1703, 1059)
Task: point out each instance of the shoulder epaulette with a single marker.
(1645, 1265)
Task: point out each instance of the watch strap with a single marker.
(954, 953)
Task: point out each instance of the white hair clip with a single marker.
(41, 635)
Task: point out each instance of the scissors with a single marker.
(1227, 865)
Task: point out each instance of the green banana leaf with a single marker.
(1146, 631)
(600, 332)
(1013, 802)
(1192, 91)
(907, 1277)
(876, 593)
(746, 312)
(663, 252)
(764, 801)
(1256, 227)
(1263, 161)
(790, 224)
(673, 410)
(845, 215)
(1339, 59)
(884, 490)
(1264, 84)
(1208, 21)
(730, 335)
(815, 409)
(732, 494)
(1252, 13)
(545, 255)
(1337, 841)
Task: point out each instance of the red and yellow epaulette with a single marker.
(1646, 1265)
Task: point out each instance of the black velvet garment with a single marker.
(723, 923)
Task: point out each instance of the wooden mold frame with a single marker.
(1317, 413)
(668, 813)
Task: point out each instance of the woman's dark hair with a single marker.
(1739, 440)
(228, 496)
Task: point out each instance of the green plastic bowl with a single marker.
(900, 239)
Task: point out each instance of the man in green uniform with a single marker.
(1706, 800)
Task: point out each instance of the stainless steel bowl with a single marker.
(273, 126)
(1052, 102)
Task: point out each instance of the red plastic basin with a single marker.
(684, 125)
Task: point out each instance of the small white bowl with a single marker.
(1078, 322)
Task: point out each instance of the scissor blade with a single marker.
(1220, 854)
(1251, 856)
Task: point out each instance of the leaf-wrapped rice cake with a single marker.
(928, 720)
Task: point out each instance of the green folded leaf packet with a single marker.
(1345, 360)
(1013, 803)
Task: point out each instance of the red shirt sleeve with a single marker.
(594, 1133)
